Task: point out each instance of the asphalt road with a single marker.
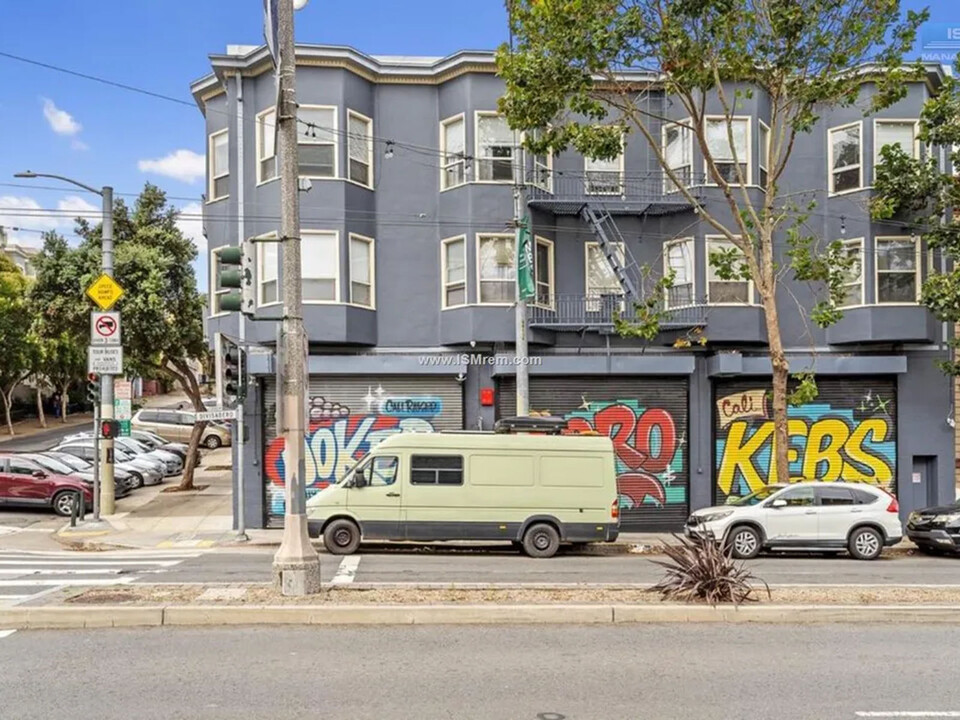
(629, 672)
(398, 566)
(43, 440)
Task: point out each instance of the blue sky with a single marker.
(51, 122)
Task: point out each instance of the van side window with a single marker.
(382, 471)
(436, 470)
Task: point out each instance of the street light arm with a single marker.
(30, 174)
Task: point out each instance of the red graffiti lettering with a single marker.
(660, 420)
(619, 423)
(638, 485)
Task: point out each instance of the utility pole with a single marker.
(296, 565)
(523, 370)
(107, 494)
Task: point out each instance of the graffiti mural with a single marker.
(338, 437)
(649, 450)
(848, 434)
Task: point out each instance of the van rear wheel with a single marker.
(541, 541)
(341, 537)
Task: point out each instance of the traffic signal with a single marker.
(236, 274)
(109, 429)
(231, 362)
(93, 388)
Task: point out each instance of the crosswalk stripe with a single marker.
(12, 597)
(89, 563)
(146, 555)
(26, 582)
(64, 571)
(6, 633)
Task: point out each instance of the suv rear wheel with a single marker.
(744, 542)
(865, 543)
(64, 502)
(212, 442)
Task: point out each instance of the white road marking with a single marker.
(12, 597)
(91, 563)
(63, 571)
(65, 581)
(347, 570)
(145, 554)
(908, 713)
(6, 633)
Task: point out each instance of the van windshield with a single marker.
(359, 466)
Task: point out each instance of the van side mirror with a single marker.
(359, 480)
(778, 503)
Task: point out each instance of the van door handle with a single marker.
(810, 512)
(856, 510)
(391, 494)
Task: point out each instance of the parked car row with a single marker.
(178, 425)
(57, 478)
(858, 518)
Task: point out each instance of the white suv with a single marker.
(861, 518)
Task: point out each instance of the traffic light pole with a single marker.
(107, 495)
(96, 463)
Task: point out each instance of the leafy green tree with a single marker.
(565, 78)
(162, 309)
(16, 347)
(924, 194)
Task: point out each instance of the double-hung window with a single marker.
(495, 148)
(543, 168)
(727, 157)
(900, 133)
(543, 272)
(453, 143)
(496, 266)
(361, 270)
(317, 141)
(218, 161)
(268, 272)
(853, 276)
(453, 259)
(763, 146)
(898, 269)
(600, 281)
(320, 265)
(678, 151)
(216, 290)
(845, 155)
(678, 259)
(719, 290)
(266, 145)
(604, 177)
(360, 148)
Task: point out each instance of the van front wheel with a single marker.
(341, 537)
(541, 541)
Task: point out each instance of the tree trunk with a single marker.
(186, 482)
(189, 384)
(40, 413)
(7, 401)
(64, 401)
(780, 472)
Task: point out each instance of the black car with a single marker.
(935, 529)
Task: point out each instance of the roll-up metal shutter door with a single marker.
(645, 417)
(348, 416)
(849, 432)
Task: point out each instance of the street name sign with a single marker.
(105, 291)
(105, 359)
(104, 328)
(228, 414)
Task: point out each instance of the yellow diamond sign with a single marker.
(105, 292)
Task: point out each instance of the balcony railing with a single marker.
(597, 311)
(608, 187)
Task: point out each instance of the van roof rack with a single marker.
(548, 425)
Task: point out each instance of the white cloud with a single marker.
(79, 144)
(183, 165)
(26, 213)
(191, 225)
(61, 122)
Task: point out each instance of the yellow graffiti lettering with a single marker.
(795, 429)
(835, 432)
(881, 474)
(738, 455)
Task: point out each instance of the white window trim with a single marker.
(261, 248)
(444, 166)
(369, 121)
(685, 124)
(586, 266)
(693, 269)
(763, 151)
(210, 158)
(336, 141)
(861, 243)
(260, 159)
(748, 161)
(444, 285)
(917, 271)
(371, 258)
(620, 171)
(548, 188)
(894, 121)
(830, 169)
(336, 265)
(477, 158)
(538, 240)
(477, 238)
(214, 261)
(751, 291)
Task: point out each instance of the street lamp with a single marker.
(104, 499)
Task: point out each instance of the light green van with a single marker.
(534, 490)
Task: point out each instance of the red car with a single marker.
(25, 483)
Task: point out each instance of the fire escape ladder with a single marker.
(614, 249)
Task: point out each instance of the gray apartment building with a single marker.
(408, 282)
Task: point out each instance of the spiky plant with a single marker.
(701, 570)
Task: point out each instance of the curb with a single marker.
(30, 618)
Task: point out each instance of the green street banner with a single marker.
(526, 288)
